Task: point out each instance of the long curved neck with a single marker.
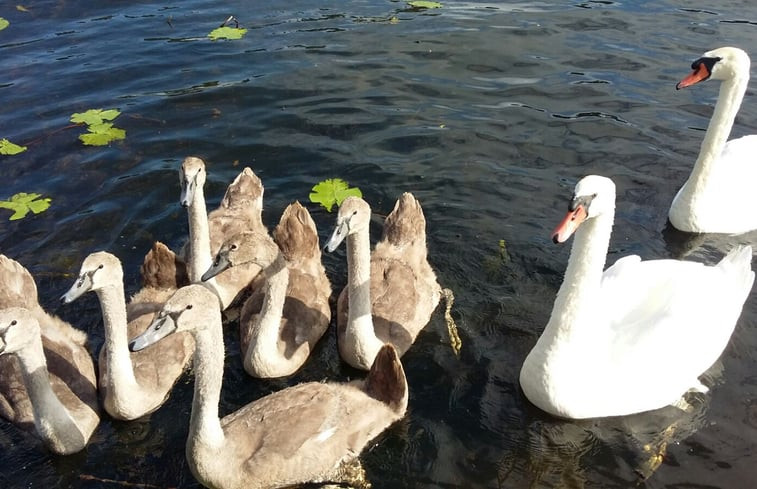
(51, 418)
(205, 430)
(573, 306)
(266, 330)
(360, 332)
(120, 380)
(729, 100)
(200, 258)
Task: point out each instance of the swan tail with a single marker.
(386, 380)
(162, 269)
(17, 286)
(406, 224)
(246, 189)
(738, 263)
(296, 234)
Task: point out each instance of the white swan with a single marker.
(390, 294)
(285, 317)
(131, 384)
(240, 210)
(47, 377)
(637, 336)
(719, 195)
(300, 434)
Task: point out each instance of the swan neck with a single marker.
(120, 377)
(582, 280)
(204, 425)
(265, 334)
(200, 258)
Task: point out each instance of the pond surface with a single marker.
(488, 112)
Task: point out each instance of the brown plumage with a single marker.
(162, 269)
(300, 434)
(69, 363)
(403, 287)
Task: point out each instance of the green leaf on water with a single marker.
(3, 23)
(8, 148)
(225, 32)
(22, 203)
(102, 134)
(94, 116)
(333, 191)
(424, 4)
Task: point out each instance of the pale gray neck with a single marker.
(120, 380)
(51, 418)
(205, 426)
(266, 332)
(582, 281)
(200, 257)
(359, 331)
(727, 106)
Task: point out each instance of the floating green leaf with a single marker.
(332, 191)
(8, 148)
(102, 135)
(94, 116)
(424, 4)
(3, 23)
(225, 32)
(22, 203)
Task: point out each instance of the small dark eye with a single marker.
(13, 323)
(100, 267)
(189, 306)
(233, 246)
(354, 213)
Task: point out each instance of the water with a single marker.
(488, 112)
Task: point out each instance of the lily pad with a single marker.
(94, 116)
(102, 135)
(225, 32)
(3, 23)
(333, 191)
(424, 4)
(8, 148)
(22, 203)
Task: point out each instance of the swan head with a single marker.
(99, 270)
(191, 177)
(18, 328)
(190, 308)
(354, 215)
(593, 196)
(240, 249)
(719, 64)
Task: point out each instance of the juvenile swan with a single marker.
(47, 377)
(610, 332)
(132, 384)
(719, 195)
(285, 317)
(300, 434)
(391, 294)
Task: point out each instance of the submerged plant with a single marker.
(333, 191)
(101, 132)
(22, 203)
(9, 148)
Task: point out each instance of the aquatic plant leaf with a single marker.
(424, 4)
(332, 191)
(94, 116)
(8, 148)
(22, 203)
(226, 32)
(103, 136)
(3, 23)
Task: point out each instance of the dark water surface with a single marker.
(488, 112)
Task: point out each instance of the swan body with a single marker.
(240, 210)
(286, 316)
(300, 434)
(391, 293)
(637, 336)
(718, 196)
(47, 377)
(132, 384)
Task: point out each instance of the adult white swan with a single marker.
(300, 434)
(637, 336)
(719, 195)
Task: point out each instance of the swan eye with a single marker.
(354, 213)
(100, 267)
(189, 306)
(14, 322)
(233, 247)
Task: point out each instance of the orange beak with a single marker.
(699, 74)
(569, 224)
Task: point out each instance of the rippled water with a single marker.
(488, 112)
